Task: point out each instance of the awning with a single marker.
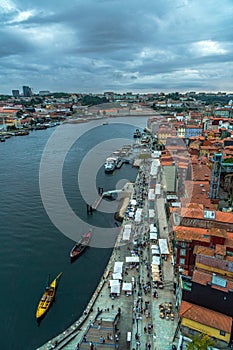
(115, 286)
(154, 167)
(126, 233)
(153, 235)
(127, 287)
(155, 251)
(155, 268)
(151, 213)
(132, 259)
(138, 215)
(163, 246)
(171, 196)
(116, 289)
(153, 228)
(118, 265)
(156, 260)
(157, 189)
(117, 276)
(176, 204)
(151, 194)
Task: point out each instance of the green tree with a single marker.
(201, 342)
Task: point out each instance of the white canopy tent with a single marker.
(153, 235)
(153, 228)
(117, 276)
(127, 287)
(154, 167)
(151, 194)
(138, 215)
(132, 259)
(127, 232)
(163, 246)
(151, 213)
(157, 189)
(118, 265)
(156, 260)
(155, 273)
(115, 286)
(155, 251)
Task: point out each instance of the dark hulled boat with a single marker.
(80, 246)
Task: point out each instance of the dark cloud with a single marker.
(94, 45)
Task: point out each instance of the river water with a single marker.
(33, 247)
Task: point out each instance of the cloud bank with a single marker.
(102, 45)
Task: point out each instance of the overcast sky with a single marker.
(116, 45)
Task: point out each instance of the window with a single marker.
(222, 333)
(182, 261)
(183, 244)
(183, 252)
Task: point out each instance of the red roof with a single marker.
(206, 317)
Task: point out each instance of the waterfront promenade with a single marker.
(129, 320)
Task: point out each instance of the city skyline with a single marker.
(96, 46)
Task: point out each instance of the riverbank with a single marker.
(132, 300)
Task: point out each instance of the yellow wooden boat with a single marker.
(47, 298)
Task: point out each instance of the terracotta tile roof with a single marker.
(193, 127)
(203, 277)
(224, 217)
(212, 148)
(206, 317)
(218, 232)
(200, 250)
(201, 172)
(199, 214)
(229, 258)
(197, 192)
(220, 249)
(189, 234)
(229, 239)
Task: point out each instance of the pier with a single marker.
(125, 191)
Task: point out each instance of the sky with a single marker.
(115, 45)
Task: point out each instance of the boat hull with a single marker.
(47, 299)
(79, 247)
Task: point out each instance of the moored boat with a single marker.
(110, 164)
(47, 298)
(80, 246)
(40, 127)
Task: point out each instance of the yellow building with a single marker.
(197, 319)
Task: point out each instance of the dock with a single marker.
(97, 202)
